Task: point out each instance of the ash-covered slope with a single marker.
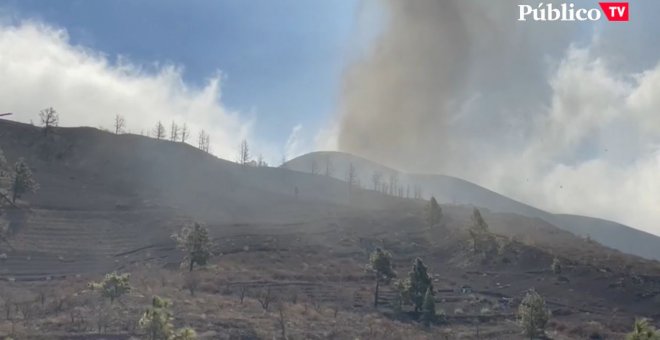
(85, 168)
(454, 190)
(107, 200)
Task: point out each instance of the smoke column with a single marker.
(559, 115)
(442, 78)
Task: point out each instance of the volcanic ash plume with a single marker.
(442, 74)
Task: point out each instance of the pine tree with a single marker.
(196, 243)
(22, 180)
(433, 212)
(478, 229)
(533, 315)
(380, 263)
(113, 286)
(5, 182)
(5, 174)
(419, 282)
(428, 308)
(642, 330)
(4, 165)
(556, 266)
(185, 334)
(478, 222)
(156, 321)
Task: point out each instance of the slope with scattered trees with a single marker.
(288, 249)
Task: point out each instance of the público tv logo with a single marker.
(614, 11)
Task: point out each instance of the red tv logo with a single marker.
(615, 11)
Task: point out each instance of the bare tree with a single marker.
(260, 161)
(191, 282)
(351, 175)
(204, 141)
(244, 153)
(315, 167)
(394, 183)
(200, 139)
(159, 131)
(282, 319)
(120, 123)
(184, 133)
(329, 169)
(22, 180)
(315, 301)
(103, 316)
(174, 132)
(351, 179)
(28, 309)
(376, 179)
(243, 291)
(49, 118)
(207, 144)
(8, 297)
(418, 192)
(265, 298)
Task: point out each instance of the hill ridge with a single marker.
(453, 190)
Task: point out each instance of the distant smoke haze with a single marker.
(554, 114)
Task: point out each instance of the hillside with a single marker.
(453, 190)
(110, 202)
(94, 184)
(100, 170)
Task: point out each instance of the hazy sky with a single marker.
(559, 115)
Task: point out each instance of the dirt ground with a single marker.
(314, 273)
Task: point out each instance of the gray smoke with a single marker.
(445, 79)
(561, 115)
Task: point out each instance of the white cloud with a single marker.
(39, 68)
(595, 150)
